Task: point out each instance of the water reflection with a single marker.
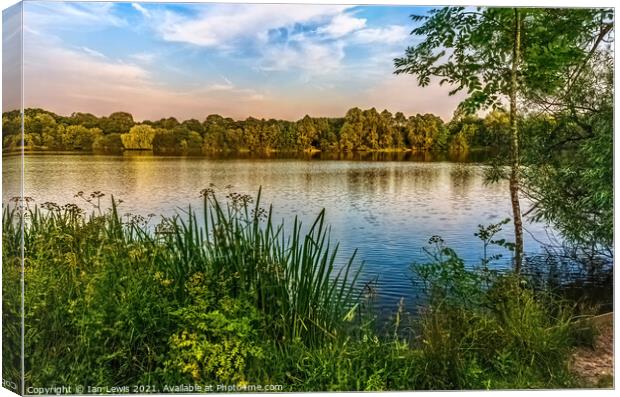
(473, 156)
(11, 177)
(387, 209)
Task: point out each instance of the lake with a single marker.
(386, 209)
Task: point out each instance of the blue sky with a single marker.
(190, 60)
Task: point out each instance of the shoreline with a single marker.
(245, 153)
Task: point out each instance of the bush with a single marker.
(216, 338)
(483, 330)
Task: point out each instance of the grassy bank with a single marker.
(114, 300)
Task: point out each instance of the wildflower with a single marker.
(207, 192)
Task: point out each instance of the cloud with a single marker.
(292, 60)
(256, 97)
(68, 15)
(231, 91)
(44, 60)
(308, 55)
(141, 10)
(92, 52)
(143, 57)
(311, 39)
(221, 26)
(225, 28)
(392, 34)
(227, 85)
(341, 25)
(67, 80)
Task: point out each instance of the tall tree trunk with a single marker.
(514, 144)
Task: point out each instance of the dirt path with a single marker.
(596, 366)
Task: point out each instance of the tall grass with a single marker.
(292, 278)
(11, 299)
(101, 288)
(489, 330)
(227, 295)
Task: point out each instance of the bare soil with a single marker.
(595, 365)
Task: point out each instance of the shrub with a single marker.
(216, 338)
(482, 329)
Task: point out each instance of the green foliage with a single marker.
(485, 330)
(117, 123)
(11, 130)
(306, 132)
(179, 141)
(511, 338)
(496, 129)
(111, 301)
(111, 143)
(446, 277)
(86, 299)
(80, 137)
(570, 158)
(471, 50)
(165, 142)
(364, 363)
(286, 277)
(139, 137)
(11, 295)
(216, 338)
(360, 130)
(505, 54)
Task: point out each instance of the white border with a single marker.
(539, 3)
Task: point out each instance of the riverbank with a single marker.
(112, 301)
(595, 364)
(475, 155)
(259, 153)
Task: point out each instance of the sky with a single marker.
(11, 58)
(189, 60)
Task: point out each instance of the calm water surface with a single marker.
(386, 209)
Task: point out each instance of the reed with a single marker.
(102, 289)
(292, 278)
(227, 295)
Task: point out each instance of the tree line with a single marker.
(358, 130)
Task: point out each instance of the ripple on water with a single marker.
(387, 210)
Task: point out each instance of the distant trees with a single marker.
(11, 130)
(85, 119)
(117, 123)
(78, 137)
(464, 131)
(351, 133)
(110, 143)
(359, 130)
(177, 141)
(139, 137)
(306, 133)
